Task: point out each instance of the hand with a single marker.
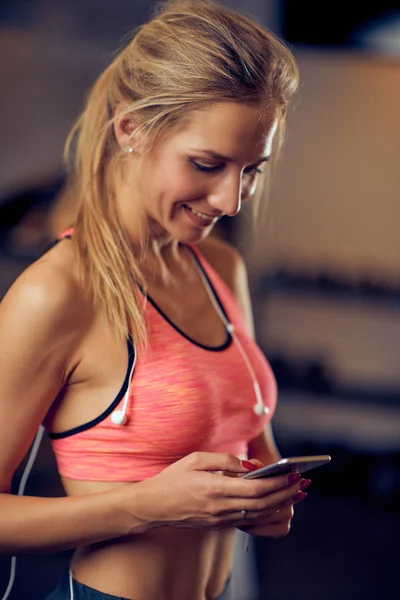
(193, 493)
(274, 524)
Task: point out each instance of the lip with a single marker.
(198, 220)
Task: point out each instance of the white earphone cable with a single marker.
(259, 408)
(118, 417)
(21, 489)
(71, 586)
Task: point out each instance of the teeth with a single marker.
(199, 214)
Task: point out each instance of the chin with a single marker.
(194, 236)
(179, 232)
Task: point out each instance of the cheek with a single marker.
(182, 187)
(171, 184)
(166, 187)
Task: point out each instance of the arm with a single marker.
(43, 322)
(29, 524)
(41, 327)
(276, 521)
(231, 266)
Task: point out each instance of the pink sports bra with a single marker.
(182, 397)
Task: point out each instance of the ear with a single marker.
(124, 127)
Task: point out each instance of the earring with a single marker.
(128, 149)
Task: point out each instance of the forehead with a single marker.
(228, 128)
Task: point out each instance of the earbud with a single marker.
(259, 409)
(118, 417)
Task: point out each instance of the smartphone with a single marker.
(296, 464)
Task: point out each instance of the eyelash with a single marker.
(210, 170)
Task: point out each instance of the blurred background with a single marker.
(324, 267)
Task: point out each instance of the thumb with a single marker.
(218, 461)
(258, 464)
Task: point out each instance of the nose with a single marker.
(226, 195)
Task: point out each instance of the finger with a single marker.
(299, 497)
(272, 531)
(266, 519)
(266, 506)
(236, 519)
(257, 508)
(256, 488)
(256, 462)
(216, 461)
(272, 515)
(252, 518)
(283, 514)
(284, 479)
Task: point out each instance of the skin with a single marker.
(55, 346)
(179, 171)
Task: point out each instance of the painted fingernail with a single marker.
(304, 483)
(249, 465)
(300, 496)
(293, 477)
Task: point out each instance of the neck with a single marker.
(161, 258)
(166, 264)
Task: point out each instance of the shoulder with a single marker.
(46, 300)
(43, 318)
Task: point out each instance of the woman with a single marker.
(133, 335)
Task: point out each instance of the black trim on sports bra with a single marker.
(228, 340)
(131, 351)
(212, 288)
(109, 410)
(223, 346)
(56, 241)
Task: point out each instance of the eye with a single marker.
(204, 168)
(252, 170)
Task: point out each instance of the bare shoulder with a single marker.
(230, 265)
(47, 298)
(42, 323)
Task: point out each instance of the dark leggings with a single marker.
(80, 591)
(83, 592)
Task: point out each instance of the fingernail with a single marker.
(300, 496)
(304, 483)
(249, 465)
(293, 477)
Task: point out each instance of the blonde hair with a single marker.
(191, 54)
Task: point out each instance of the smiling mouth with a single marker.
(206, 218)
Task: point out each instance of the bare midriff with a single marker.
(167, 563)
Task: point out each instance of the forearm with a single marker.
(29, 524)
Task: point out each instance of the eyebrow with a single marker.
(218, 156)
